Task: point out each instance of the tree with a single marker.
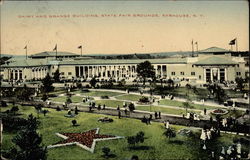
(56, 76)
(106, 151)
(145, 70)
(131, 107)
(3, 104)
(47, 84)
(186, 105)
(239, 81)
(170, 133)
(93, 82)
(24, 93)
(28, 142)
(14, 109)
(138, 138)
(45, 97)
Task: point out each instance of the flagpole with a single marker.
(192, 46)
(197, 46)
(81, 51)
(26, 48)
(236, 43)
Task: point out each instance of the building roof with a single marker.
(53, 54)
(215, 60)
(123, 61)
(214, 50)
(27, 63)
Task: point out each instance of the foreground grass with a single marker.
(156, 146)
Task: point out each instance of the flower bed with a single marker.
(219, 111)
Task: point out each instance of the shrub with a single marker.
(3, 104)
(144, 100)
(14, 109)
(131, 107)
(74, 122)
(106, 151)
(104, 97)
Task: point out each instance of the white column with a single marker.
(18, 77)
(219, 74)
(211, 74)
(225, 72)
(204, 75)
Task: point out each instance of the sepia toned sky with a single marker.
(211, 23)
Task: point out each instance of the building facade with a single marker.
(200, 69)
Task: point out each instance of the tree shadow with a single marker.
(140, 147)
(179, 142)
(109, 156)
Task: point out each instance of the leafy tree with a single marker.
(45, 97)
(131, 107)
(24, 93)
(170, 83)
(56, 76)
(47, 84)
(239, 81)
(93, 82)
(138, 138)
(28, 142)
(170, 133)
(186, 105)
(145, 70)
(122, 83)
(106, 151)
(14, 109)
(3, 104)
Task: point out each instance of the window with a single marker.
(69, 73)
(193, 73)
(172, 73)
(238, 73)
(62, 73)
(182, 73)
(199, 76)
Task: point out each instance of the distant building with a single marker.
(201, 69)
(52, 55)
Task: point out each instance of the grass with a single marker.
(99, 93)
(163, 110)
(180, 104)
(129, 97)
(110, 103)
(155, 146)
(75, 99)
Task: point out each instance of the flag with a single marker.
(232, 42)
(55, 49)
(80, 47)
(25, 47)
(196, 43)
(192, 42)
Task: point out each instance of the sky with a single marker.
(153, 26)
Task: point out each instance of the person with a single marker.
(99, 107)
(119, 114)
(159, 114)
(164, 123)
(126, 111)
(118, 108)
(167, 124)
(104, 106)
(155, 115)
(205, 111)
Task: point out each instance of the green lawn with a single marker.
(75, 99)
(155, 146)
(129, 97)
(98, 93)
(180, 104)
(110, 103)
(163, 110)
